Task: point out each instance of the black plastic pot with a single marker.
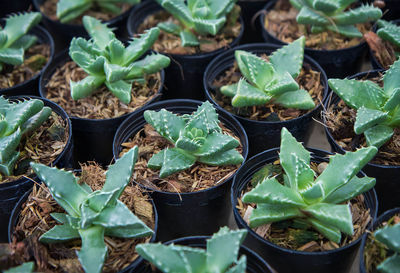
(382, 218)
(387, 177)
(17, 210)
(184, 75)
(249, 11)
(286, 260)
(255, 264)
(11, 192)
(336, 63)
(63, 33)
(31, 86)
(92, 137)
(263, 135)
(196, 213)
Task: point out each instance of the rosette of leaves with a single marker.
(109, 62)
(13, 38)
(68, 10)
(378, 108)
(18, 119)
(334, 15)
(220, 256)
(204, 17)
(272, 81)
(390, 237)
(90, 215)
(316, 202)
(389, 32)
(196, 138)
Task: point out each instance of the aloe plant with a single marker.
(220, 256)
(378, 109)
(316, 202)
(272, 81)
(109, 62)
(204, 17)
(196, 137)
(68, 10)
(13, 38)
(92, 215)
(18, 119)
(389, 32)
(390, 236)
(334, 15)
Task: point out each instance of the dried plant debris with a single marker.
(43, 146)
(294, 234)
(49, 8)
(35, 220)
(384, 51)
(170, 43)
(103, 104)
(308, 79)
(376, 252)
(36, 58)
(198, 177)
(281, 23)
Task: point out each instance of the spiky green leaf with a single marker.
(292, 54)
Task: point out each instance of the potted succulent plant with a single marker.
(333, 30)
(295, 206)
(188, 153)
(26, 49)
(32, 129)
(95, 208)
(366, 114)
(192, 34)
(276, 90)
(103, 83)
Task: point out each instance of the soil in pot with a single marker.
(35, 219)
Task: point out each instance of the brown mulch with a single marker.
(375, 252)
(384, 51)
(102, 104)
(285, 234)
(35, 220)
(49, 8)
(35, 59)
(44, 145)
(170, 43)
(198, 177)
(308, 79)
(281, 23)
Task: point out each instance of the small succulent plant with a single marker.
(23, 268)
(13, 38)
(272, 81)
(109, 62)
(317, 202)
(334, 15)
(378, 109)
(196, 17)
(196, 137)
(17, 119)
(390, 236)
(68, 10)
(389, 32)
(92, 215)
(220, 256)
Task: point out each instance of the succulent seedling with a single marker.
(334, 15)
(196, 137)
(389, 32)
(390, 236)
(204, 17)
(220, 256)
(109, 62)
(68, 10)
(13, 38)
(90, 215)
(315, 201)
(378, 109)
(272, 81)
(18, 119)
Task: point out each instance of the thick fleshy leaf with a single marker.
(328, 231)
(175, 161)
(362, 14)
(299, 99)
(390, 236)
(85, 87)
(93, 251)
(217, 142)
(281, 84)
(98, 31)
(326, 6)
(348, 30)
(7, 166)
(156, 161)
(167, 124)
(148, 65)
(267, 213)
(138, 46)
(353, 188)
(308, 16)
(208, 26)
(115, 72)
(18, 25)
(205, 118)
(368, 118)
(169, 27)
(187, 144)
(240, 266)
(188, 38)
(229, 90)
(13, 56)
(390, 265)
(378, 135)
(247, 95)
(115, 50)
(8, 146)
(68, 10)
(393, 101)
(36, 121)
(231, 157)
(59, 234)
(179, 10)
(221, 8)
(389, 32)
(391, 79)
(18, 113)
(121, 89)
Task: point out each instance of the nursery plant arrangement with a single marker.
(89, 213)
